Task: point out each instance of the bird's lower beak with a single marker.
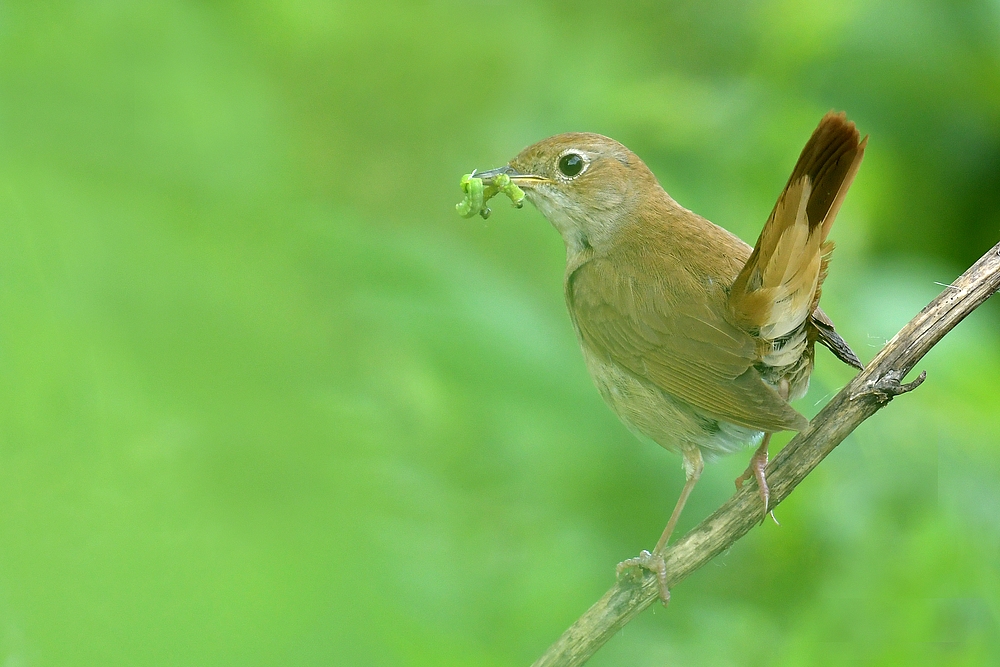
(516, 177)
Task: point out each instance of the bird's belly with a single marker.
(652, 413)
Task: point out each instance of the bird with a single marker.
(694, 339)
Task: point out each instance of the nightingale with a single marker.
(695, 340)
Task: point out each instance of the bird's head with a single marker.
(586, 185)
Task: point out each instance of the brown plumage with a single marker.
(694, 339)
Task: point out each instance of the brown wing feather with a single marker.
(624, 315)
(826, 334)
(779, 286)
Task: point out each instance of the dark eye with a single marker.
(571, 164)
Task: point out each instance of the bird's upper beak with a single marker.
(516, 177)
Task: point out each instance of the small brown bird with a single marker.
(694, 339)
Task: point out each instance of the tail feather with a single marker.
(779, 287)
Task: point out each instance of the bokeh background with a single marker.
(266, 400)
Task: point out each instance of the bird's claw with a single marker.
(654, 563)
(758, 463)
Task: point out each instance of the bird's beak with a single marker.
(516, 177)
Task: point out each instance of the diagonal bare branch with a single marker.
(871, 390)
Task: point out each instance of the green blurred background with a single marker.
(266, 400)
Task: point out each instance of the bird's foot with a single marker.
(654, 563)
(758, 462)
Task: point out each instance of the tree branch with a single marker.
(871, 390)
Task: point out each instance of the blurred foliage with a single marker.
(267, 400)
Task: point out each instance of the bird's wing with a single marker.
(627, 317)
(828, 336)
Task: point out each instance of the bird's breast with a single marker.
(653, 414)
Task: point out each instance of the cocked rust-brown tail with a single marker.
(779, 287)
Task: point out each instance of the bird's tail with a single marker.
(779, 287)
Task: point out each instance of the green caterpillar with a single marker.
(477, 194)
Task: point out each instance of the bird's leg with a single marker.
(693, 465)
(758, 462)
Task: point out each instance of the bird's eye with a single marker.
(572, 164)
